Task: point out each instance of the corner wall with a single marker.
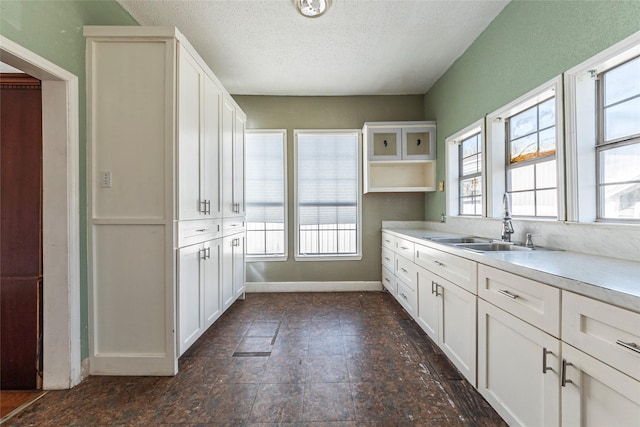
(529, 43)
(347, 112)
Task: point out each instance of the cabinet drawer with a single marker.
(192, 232)
(458, 270)
(406, 271)
(232, 226)
(407, 297)
(531, 301)
(606, 332)
(405, 248)
(388, 258)
(389, 281)
(388, 241)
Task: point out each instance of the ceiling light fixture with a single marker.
(312, 8)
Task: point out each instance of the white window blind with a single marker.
(327, 190)
(265, 193)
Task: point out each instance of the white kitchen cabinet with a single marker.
(198, 148)
(153, 125)
(198, 291)
(399, 156)
(518, 368)
(233, 143)
(447, 313)
(233, 270)
(594, 394)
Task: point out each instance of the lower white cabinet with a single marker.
(518, 368)
(595, 394)
(233, 269)
(447, 313)
(198, 291)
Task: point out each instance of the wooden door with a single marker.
(21, 232)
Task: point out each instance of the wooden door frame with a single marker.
(61, 214)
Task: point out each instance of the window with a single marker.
(618, 147)
(470, 179)
(603, 135)
(531, 161)
(524, 154)
(328, 207)
(266, 191)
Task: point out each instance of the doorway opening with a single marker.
(60, 215)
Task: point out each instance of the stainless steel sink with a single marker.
(457, 240)
(493, 247)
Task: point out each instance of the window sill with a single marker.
(356, 257)
(260, 258)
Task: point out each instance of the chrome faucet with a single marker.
(507, 227)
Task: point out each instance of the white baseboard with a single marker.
(253, 287)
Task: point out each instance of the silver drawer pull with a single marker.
(386, 279)
(563, 375)
(388, 241)
(404, 247)
(388, 259)
(405, 271)
(545, 368)
(403, 296)
(201, 230)
(438, 263)
(508, 294)
(629, 345)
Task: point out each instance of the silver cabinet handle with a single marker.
(508, 294)
(545, 368)
(564, 380)
(388, 259)
(201, 230)
(236, 207)
(386, 279)
(203, 253)
(404, 296)
(404, 270)
(434, 288)
(404, 247)
(629, 345)
(388, 241)
(208, 207)
(438, 263)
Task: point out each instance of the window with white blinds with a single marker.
(327, 194)
(265, 199)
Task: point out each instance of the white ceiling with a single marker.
(358, 47)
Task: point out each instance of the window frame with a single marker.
(324, 257)
(285, 255)
(496, 148)
(452, 162)
(582, 130)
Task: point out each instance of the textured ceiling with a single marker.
(358, 47)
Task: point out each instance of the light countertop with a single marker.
(607, 279)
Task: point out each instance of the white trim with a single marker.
(285, 255)
(580, 112)
(495, 145)
(452, 166)
(255, 287)
(61, 222)
(347, 257)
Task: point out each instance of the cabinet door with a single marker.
(457, 329)
(189, 317)
(211, 281)
(238, 264)
(238, 164)
(596, 394)
(512, 356)
(384, 143)
(228, 118)
(419, 143)
(189, 90)
(428, 304)
(210, 148)
(227, 272)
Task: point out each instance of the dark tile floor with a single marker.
(319, 359)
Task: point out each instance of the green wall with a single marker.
(53, 30)
(271, 112)
(529, 43)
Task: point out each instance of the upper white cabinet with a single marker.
(233, 130)
(399, 156)
(198, 148)
(154, 125)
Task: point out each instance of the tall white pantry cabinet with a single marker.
(165, 198)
